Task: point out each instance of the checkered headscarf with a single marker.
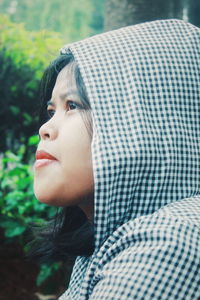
(143, 83)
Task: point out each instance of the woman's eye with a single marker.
(50, 112)
(71, 105)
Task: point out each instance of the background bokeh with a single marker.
(31, 34)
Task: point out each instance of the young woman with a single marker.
(120, 152)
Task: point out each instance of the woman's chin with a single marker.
(49, 201)
(43, 195)
(43, 199)
(48, 197)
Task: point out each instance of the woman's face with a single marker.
(67, 177)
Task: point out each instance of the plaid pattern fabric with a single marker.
(143, 83)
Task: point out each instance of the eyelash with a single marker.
(51, 112)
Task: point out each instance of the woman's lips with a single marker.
(43, 158)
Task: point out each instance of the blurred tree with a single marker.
(119, 13)
(73, 19)
(193, 11)
(23, 58)
(97, 20)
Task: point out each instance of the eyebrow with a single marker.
(64, 96)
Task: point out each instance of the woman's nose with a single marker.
(47, 131)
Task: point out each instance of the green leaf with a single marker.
(14, 231)
(24, 182)
(33, 140)
(46, 271)
(27, 119)
(12, 227)
(14, 109)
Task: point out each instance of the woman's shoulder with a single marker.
(180, 216)
(159, 250)
(151, 257)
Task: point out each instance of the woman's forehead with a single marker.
(67, 73)
(65, 85)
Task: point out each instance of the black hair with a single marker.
(69, 233)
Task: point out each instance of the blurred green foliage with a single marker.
(19, 207)
(73, 19)
(23, 58)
